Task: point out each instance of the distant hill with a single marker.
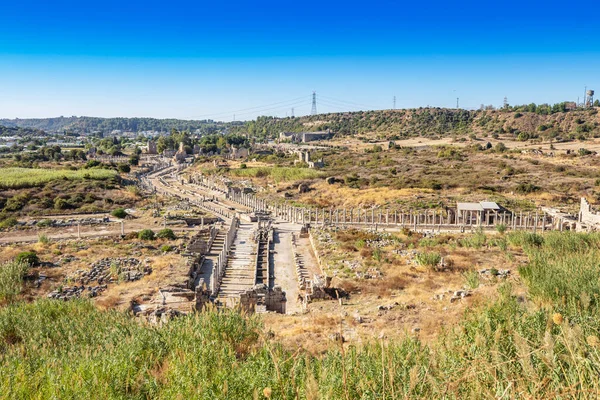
(107, 125)
(542, 122)
(523, 122)
(18, 131)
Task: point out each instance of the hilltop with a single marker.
(525, 122)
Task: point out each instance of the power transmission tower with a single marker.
(457, 107)
(394, 103)
(313, 111)
(292, 112)
(505, 104)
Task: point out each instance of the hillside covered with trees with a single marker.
(107, 125)
(524, 122)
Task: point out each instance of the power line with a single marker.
(341, 107)
(249, 108)
(350, 102)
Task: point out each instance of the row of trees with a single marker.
(214, 143)
(545, 109)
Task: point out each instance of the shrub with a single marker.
(125, 168)
(45, 223)
(472, 279)
(430, 259)
(8, 222)
(146, 234)
(11, 279)
(119, 213)
(475, 241)
(28, 257)
(60, 204)
(165, 248)
(501, 228)
(166, 234)
(43, 239)
(526, 188)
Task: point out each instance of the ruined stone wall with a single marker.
(587, 215)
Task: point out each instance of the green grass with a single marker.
(429, 259)
(279, 174)
(11, 280)
(504, 349)
(17, 178)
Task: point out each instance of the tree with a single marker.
(134, 159)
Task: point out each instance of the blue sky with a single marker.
(199, 59)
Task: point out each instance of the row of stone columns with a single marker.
(433, 218)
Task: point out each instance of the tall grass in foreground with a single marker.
(506, 349)
(11, 279)
(18, 178)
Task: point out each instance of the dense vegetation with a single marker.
(543, 346)
(107, 125)
(19, 131)
(529, 121)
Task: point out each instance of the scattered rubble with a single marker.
(103, 272)
(502, 273)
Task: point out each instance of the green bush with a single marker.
(475, 241)
(119, 213)
(165, 248)
(45, 223)
(8, 222)
(166, 234)
(471, 279)
(501, 228)
(125, 168)
(60, 204)
(429, 259)
(28, 257)
(146, 234)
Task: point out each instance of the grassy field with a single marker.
(17, 178)
(542, 345)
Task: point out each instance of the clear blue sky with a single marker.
(208, 59)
